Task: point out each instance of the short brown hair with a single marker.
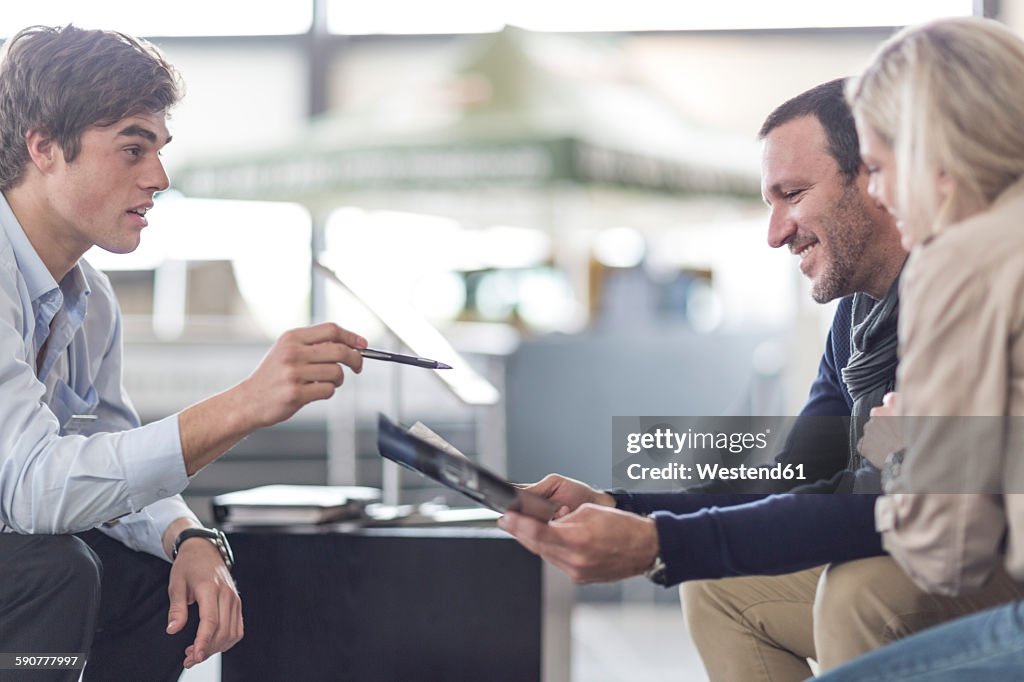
(826, 102)
(64, 80)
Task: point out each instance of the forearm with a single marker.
(303, 366)
(213, 426)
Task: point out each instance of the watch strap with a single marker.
(214, 535)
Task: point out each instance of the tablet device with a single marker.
(458, 473)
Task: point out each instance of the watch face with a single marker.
(225, 548)
(656, 573)
(659, 577)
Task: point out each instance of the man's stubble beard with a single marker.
(852, 231)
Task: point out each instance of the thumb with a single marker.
(546, 486)
(177, 614)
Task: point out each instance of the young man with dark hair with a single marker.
(99, 555)
(764, 628)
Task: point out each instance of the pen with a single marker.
(404, 359)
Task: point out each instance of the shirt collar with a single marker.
(37, 278)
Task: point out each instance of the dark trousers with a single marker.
(88, 594)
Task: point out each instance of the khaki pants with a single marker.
(765, 628)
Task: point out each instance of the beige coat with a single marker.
(962, 355)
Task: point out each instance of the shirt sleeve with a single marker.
(143, 531)
(947, 543)
(54, 484)
(771, 536)
(954, 386)
(676, 503)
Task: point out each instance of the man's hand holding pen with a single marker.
(304, 365)
(307, 364)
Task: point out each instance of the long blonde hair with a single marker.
(948, 97)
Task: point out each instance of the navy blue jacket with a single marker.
(719, 534)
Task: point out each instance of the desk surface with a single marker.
(354, 529)
(422, 604)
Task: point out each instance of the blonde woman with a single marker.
(940, 114)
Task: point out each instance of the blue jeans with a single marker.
(985, 646)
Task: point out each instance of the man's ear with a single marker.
(43, 150)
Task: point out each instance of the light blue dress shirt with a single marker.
(62, 475)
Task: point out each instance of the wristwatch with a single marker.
(656, 573)
(214, 535)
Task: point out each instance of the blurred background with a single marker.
(563, 196)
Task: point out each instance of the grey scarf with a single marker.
(871, 371)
